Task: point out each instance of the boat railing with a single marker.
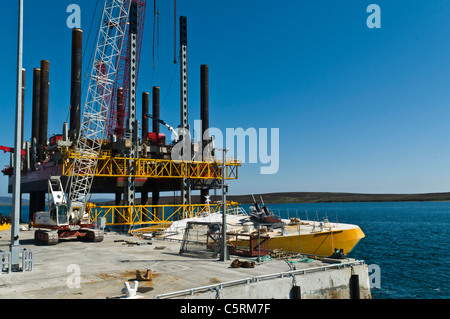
(237, 210)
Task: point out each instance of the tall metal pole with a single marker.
(155, 128)
(75, 83)
(15, 247)
(145, 106)
(224, 255)
(132, 125)
(183, 73)
(43, 108)
(204, 116)
(185, 186)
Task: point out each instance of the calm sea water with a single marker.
(409, 241)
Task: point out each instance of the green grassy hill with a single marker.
(318, 197)
(295, 197)
(314, 197)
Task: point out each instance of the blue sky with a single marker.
(359, 110)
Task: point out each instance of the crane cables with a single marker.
(155, 29)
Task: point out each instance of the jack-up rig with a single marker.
(100, 150)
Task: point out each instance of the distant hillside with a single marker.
(7, 200)
(290, 197)
(316, 197)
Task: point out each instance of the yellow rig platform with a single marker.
(150, 174)
(109, 166)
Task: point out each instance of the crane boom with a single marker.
(97, 106)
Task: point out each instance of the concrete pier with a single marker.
(81, 270)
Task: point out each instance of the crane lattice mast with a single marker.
(98, 101)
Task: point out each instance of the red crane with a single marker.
(10, 149)
(8, 170)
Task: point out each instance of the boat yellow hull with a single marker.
(319, 243)
(5, 227)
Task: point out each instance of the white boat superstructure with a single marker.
(292, 235)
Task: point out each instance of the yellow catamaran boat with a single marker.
(320, 238)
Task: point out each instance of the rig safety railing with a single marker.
(156, 216)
